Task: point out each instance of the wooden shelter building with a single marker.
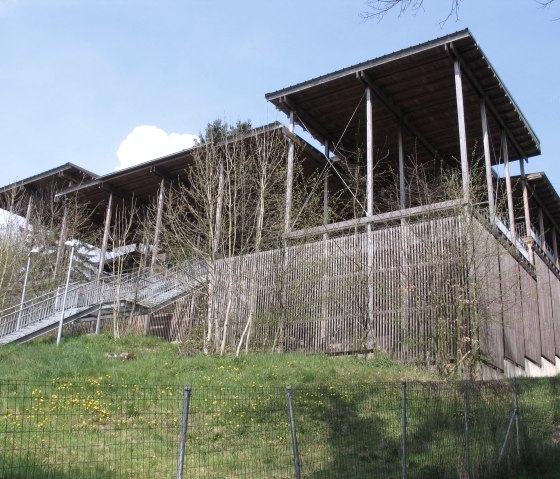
(427, 247)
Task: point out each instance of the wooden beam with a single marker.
(28, 214)
(540, 203)
(369, 153)
(105, 240)
(326, 191)
(376, 219)
(541, 230)
(61, 240)
(402, 173)
(155, 170)
(306, 121)
(71, 178)
(509, 189)
(555, 246)
(114, 191)
(219, 205)
(289, 178)
(526, 209)
(527, 213)
(482, 94)
(158, 224)
(369, 213)
(462, 129)
(395, 110)
(487, 159)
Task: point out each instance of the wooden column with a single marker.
(462, 129)
(289, 178)
(218, 218)
(402, 177)
(404, 274)
(158, 224)
(61, 240)
(555, 246)
(324, 292)
(487, 160)
(511, 211)
(541, 230)
(369, 213)
(28, 215)
(526, 211)
(326, 191)
(108, 213)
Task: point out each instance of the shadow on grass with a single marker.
(357, 433)
(350, 433)
(31, 468)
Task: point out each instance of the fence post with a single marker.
(293, 429)
(467, 433)
(183, 438)
(404, 418)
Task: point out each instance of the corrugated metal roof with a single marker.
(141, 181)
(36, 180)
(418, 84)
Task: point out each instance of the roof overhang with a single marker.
(414, 88)
(45, 183)
(141, 182)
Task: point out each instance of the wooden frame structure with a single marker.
(398, 271)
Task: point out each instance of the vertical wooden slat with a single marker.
(545, 310)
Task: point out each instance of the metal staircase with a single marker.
(144, 290)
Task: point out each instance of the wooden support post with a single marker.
(369, 213)
(555, 246)
(462, 129)
(326, 192)
(28, 215)
(218, 218)
(402, 176)
(324, 292)
(541, 230)
(487, 160)
(158, 224)
(61, 240)
(105, 240)
(289, 178)
(527, 212)
(509, 189)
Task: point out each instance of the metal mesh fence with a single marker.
(88, 430)
(98, 429)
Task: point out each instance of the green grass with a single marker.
(73, 411)
(158, 362)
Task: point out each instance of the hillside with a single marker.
(159, 362)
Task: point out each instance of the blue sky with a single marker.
(77, 77)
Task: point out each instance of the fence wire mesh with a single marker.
(98, 429)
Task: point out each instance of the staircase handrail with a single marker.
(135, 286)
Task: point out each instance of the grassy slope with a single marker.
(157, 362)
(238, 426)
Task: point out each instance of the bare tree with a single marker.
(377, 9)
(123, 241)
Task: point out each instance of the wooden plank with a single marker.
(489, 298)
(514, 349)
(511, 213)
(555, 295)
(462, 129)
(531, 322)
(544, 295)
(379, 218)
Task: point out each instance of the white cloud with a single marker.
(147, 142)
